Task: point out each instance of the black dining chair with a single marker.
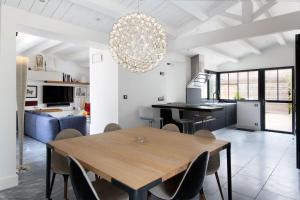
(84, 189)
(187, 186)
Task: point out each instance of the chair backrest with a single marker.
(146, 113)
(171, 127)
(175, 114)
(60, 163)
(81, 183)
(192, 181)
(112, 127)
(214, 160)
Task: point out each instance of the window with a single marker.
(209, 89)
(278, 84)
(239, 85)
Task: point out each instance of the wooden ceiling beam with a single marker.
(272, 25)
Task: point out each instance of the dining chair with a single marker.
(59, 163)
(171, 127)
(84, 189)
(147, 114)
(112, 127)
(184, 122)
(186, 186)
(214, 160)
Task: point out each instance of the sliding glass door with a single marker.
(278, 100)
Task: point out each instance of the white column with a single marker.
(103, 90)
(8, 177)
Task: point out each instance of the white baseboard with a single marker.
(8, 182)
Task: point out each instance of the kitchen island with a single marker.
(224, 114)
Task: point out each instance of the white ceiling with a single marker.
(28, 45)
(179, 17)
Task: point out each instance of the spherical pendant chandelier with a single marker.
(138, 42)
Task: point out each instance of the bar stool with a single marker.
(202, 119)
(184, 122)
(147, 114)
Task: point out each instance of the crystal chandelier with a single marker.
(138, 42)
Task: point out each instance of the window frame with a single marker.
(234, 100)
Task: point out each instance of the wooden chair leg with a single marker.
(66, 178)
(219, 185)
(202, 195)
(52, 182)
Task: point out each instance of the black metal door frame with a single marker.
(297, 99)
(264, 101)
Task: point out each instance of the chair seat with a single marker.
(185, 121)
(167, 189)
(106, 191)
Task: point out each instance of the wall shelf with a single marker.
(68, 83)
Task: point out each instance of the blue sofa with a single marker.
(44, 128)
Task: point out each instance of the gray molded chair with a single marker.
(59, 163)
(187, 186)
(214, 160)
(147, 114)
(171, 127)
(112, 127)
(84, 189)
(184, 122)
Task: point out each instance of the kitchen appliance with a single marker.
(198, 74)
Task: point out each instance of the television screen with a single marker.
(58, 94)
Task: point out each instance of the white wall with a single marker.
(278, 56)
(144, 89)
(58, 64)
(8, 177)
(11, 21)
(103, 90)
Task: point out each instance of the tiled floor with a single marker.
(263, 166)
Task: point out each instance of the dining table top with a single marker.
(136, 157)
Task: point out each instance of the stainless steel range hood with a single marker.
(199, 77)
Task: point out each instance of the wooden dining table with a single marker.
(137, 159)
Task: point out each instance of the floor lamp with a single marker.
(21, 95)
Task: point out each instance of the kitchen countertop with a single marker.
(183, 106)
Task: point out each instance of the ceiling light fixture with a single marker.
(138, 42)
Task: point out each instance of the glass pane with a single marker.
(271, 84)
(243, 85)
(212, 86)
(204, 91)
(253, 85)
(285, 84)
(279, 116)
(224, 85)
(233, 85)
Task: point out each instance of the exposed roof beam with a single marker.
(250, 46)
(278, 36)
(233, 16)
(276, 24)
(264, 8)
(219, 53)
(244, 42)
(114, 9)
(40, 47)
(57, 48)
(247, 11)
(218, 8)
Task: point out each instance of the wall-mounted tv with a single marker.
(58, 95)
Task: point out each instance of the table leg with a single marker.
(48, 172)
(140, 194)
(229, 177)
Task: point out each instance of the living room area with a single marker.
(57, 86)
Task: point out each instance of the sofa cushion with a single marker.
(73, 122)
